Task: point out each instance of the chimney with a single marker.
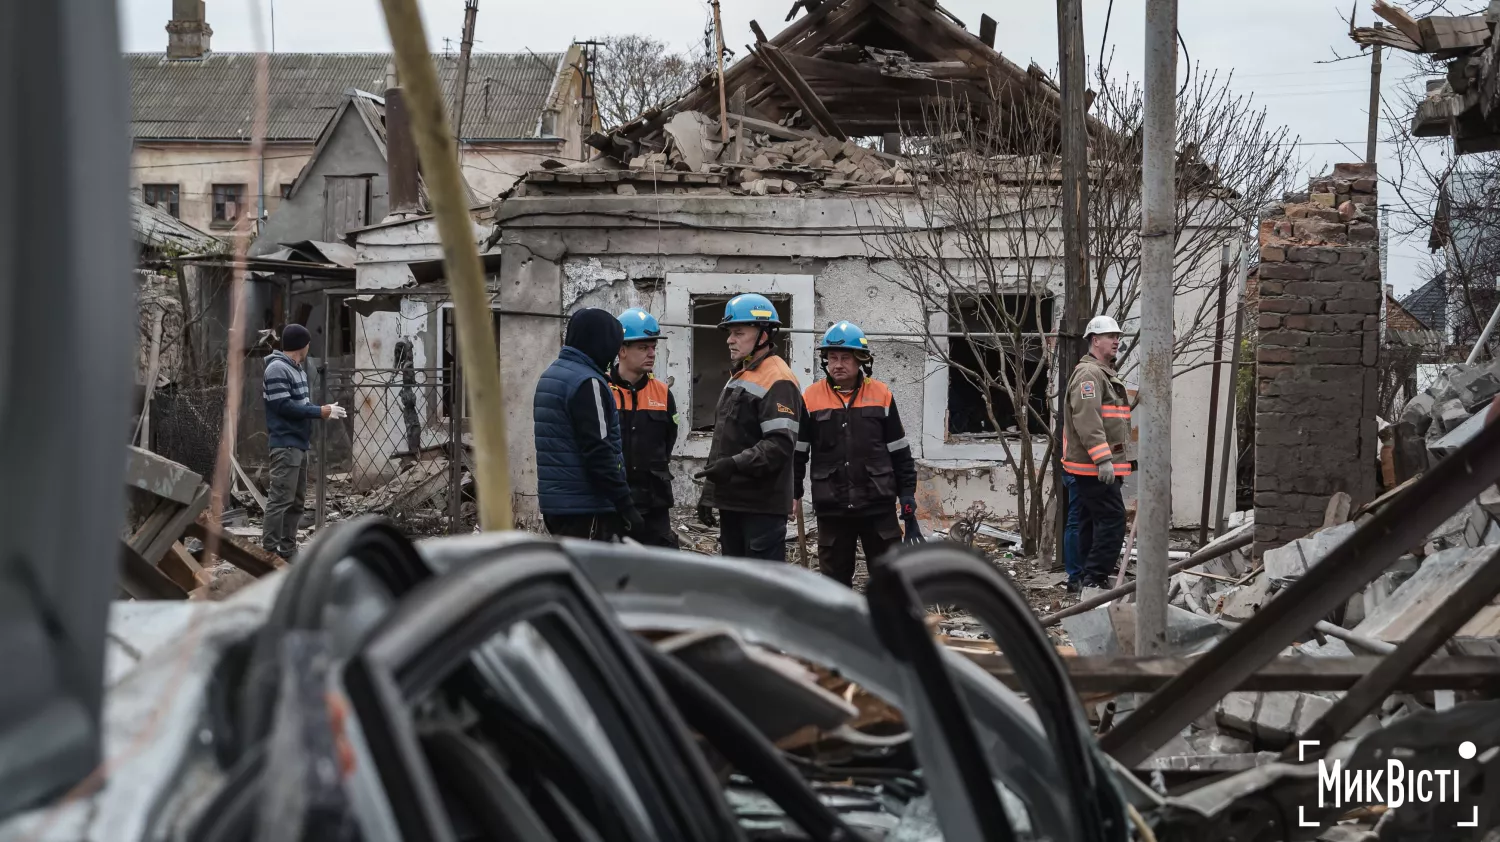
(400, 156)
(188, 30)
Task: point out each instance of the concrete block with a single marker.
(1311, 710)
(1236, 712)
(1226, 744)
(1458, 435)
(1294, 559)
(1489, 500)
(1276, 718)
(1241, 602)
(1413, 603)
(1476, 386)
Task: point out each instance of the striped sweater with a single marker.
(289, 412)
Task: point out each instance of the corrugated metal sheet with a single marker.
(213, 99)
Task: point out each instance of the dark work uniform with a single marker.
(756, 426)
(581, 484)
(648, 429)
(861, 464)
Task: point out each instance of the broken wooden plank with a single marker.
(153, 370)
(1441, 33)
(987, 30)
(160, 476)
(1399, 18)
(251, 559)
(180, 566)
(260, 499)
(141, 580)
(1146, 675)
(173, 529)
(148, 531)
(797, 87)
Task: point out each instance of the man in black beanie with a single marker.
(580, 469)
(289, 417)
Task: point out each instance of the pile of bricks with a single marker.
(1317, 383)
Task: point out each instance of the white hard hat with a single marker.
(1102, 324)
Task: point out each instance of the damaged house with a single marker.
(817, 166)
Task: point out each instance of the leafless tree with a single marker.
(976, 243)
(634, 73)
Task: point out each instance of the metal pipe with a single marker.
(455, 449)
(1484, 336)
(1231, 414)
(321, 504)
(1213, 399)
(1158, 236)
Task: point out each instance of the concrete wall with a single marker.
(1316, 375)
(610, 252)
(350, 150)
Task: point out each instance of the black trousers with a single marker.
(605, 527)
(837, 536)
(752, 535)
(659, 532)
(1103, 530)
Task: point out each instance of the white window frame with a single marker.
(683, 287)
(442, 379)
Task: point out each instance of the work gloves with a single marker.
(634, 523)
(911, 530)
(706, 515)
(1107, 473)
(719, 470)
(335, 412)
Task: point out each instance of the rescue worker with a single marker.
(648, 426)
(581, 484)
(1096, 444)
(861, 464)
(748, 477)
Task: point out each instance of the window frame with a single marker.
(226, 221)
(174, 208)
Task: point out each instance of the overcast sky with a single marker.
(1272, 47)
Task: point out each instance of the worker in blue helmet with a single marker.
(648, 425)
(748, 477)
(862, 466)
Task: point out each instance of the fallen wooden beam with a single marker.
(1442, 33)
(141, 580)
(797, 88)
(253, 560)
(1399, 18)
(1146, 675)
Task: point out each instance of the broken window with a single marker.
(710, 364)
(229, 203)
(1004, 366)
(286, 189)
(163, 196)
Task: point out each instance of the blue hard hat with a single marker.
(639, 325)
(750, 308)
(845, 336)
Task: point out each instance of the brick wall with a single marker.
(1396, 317)
(1319, 303)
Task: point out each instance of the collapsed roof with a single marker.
(847, 69)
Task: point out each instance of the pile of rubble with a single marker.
(1248, 729)
(1443, 418)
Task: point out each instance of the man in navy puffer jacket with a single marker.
(580, 468)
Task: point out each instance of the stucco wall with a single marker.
(561, 254)
(197, 167)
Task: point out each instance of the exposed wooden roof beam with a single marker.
(798, 89)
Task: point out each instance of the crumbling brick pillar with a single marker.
(1319, 320)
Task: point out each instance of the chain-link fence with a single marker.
(401, 460)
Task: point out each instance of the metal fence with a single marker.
(406, 457)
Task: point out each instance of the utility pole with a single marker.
(465, 48)
(1075, 226)
(1374, 98)
(1158, 235)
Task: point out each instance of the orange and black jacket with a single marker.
(860, 459)
(1097, 426)
(648, 429)
(756, 426)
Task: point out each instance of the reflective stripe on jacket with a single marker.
(857, 447)
(756, 426)
(1097, 427)
(648, 429)
(568, 480)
